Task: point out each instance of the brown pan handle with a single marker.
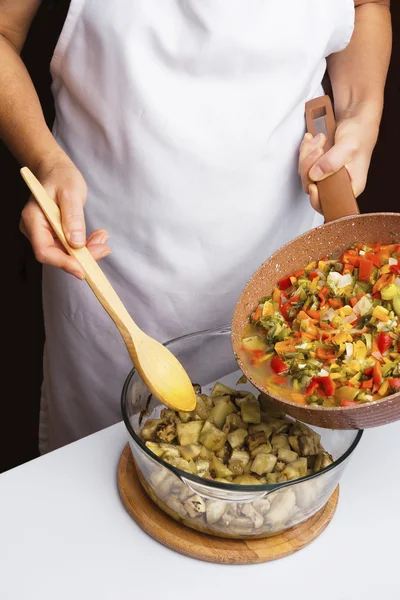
(335, 192)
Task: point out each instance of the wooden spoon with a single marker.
(159, 368)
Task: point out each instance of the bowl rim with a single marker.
(233, 487)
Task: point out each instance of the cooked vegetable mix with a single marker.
(230, 439)
(233, 437)
(329, 335)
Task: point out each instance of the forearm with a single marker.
(358, 73)
(22, 124)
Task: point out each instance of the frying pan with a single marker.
(343, 227)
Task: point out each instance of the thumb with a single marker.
(71, 200)
(337, 157)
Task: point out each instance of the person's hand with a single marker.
(65, 184)
(355, 139)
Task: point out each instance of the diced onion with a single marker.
(350, 318)
(363, 306)
(393, 261)
(328, 315)
(323, 373)
(377, 355)
(362, 252)
(397, 282)
(349, 349)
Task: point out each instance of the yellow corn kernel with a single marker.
(341, 337)
(293, 280)
(348, 326)
(345, 311)
(321, 265)
(311, 266)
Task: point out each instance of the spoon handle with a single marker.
(94, 276)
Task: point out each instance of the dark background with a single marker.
(22, 318)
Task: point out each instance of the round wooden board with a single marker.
(210, 548)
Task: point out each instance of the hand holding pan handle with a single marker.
(335, 192)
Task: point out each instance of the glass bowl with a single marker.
(225, 509)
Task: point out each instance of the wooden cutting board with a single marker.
(180, 538)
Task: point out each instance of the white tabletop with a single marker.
(64, 535)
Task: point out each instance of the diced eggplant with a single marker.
(250, 410)
(237, 438)
(309, 444)
(255, 440)
(197, 388)
(242, 456)
(236, 467)
(170, 450)
(155, 448)
(195, 506)
(241, 526)
(279, 441)
(166, 430)
(233, 422)
(324, 459)
(279, 467)
(311, 460)
(269, 408)
(282, 507)
(263, 463)
(214, 510)
(249, 511)
(185, 417)
(223, 407)
(202, 409)
(189, 433)
(280, 425)
(148, 432)
(220, 469)
(224, 454)
(212, 437)
(190, 452)
(301, 429)
(295, 469)
(220, 389)
(287, 456)
(262, 506)
(272, 477)
(294, 443)
(205, 454)
(184, 493)
(267, 429)
(176, 505)
(263, 449)
(202, 467)
(246, 480)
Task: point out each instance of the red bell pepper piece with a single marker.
(313, 275)
(367, 385)
(368, 371)
(394, 383)
(395, 269)
(278, 366)
(348, 269)
(384, 342)
(335, 303)
(286, 308)
(366, 267)
(299, 273)
(349, 403)
(324, 384)
(324, 354)
(314, 314)
(322, 294)
(353, 301)
(373, 258)
(284, 283)
(377, 374)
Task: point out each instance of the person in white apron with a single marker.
(185, 118)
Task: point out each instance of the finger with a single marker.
(51, 252)
(314, 198)
(71, 201)
(98, 236)
(309, 144)
(337, 157)
(306, 166)
(99, 251)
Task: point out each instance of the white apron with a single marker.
(185, 118)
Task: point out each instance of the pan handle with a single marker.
(335, 192)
